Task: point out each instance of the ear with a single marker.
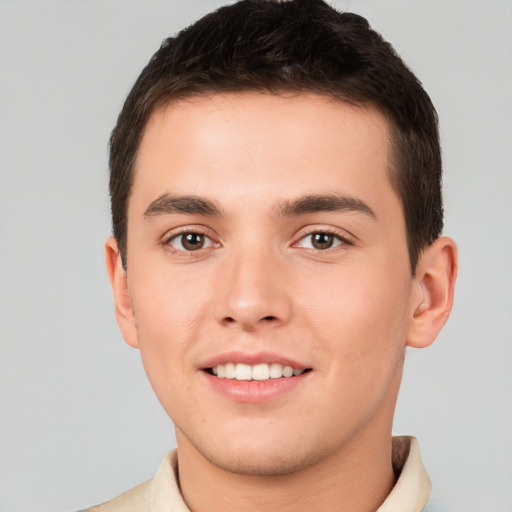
(434, 285)
(117, 275)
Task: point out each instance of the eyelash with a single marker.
(182, 234)
(340, 241)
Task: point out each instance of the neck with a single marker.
(353, 478)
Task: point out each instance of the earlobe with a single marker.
(434, 288)
(123, 306)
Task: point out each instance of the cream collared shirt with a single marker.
(410, 494)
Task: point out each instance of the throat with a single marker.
(343, 484)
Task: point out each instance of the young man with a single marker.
(276, 202)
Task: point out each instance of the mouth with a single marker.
(258, 372)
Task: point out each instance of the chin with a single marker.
(261, 461)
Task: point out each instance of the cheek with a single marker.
(168, 310)
(167, 302)
(360, 313)
(164, 329)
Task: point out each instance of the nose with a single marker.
(253, 291)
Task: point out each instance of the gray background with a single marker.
(78, 421)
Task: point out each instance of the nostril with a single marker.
(249, 323)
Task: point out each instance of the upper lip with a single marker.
(252, 359)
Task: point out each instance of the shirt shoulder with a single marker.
(161, 494)
(136, 499)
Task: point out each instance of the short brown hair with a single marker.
(296, 45)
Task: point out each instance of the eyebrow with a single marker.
(167, 204)
(324, 203)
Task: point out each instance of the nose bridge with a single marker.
(252, 290)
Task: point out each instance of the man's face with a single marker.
(263, 233)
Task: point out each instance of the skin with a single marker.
(258, 284)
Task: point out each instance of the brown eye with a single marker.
(189, 241)
(192, 241)
(322, 240)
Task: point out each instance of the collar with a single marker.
(412, 489)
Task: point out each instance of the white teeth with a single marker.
(276, 371)
(243, 372)
(287, 371)
(261, 371)
(230, 371)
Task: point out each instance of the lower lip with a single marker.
(254, 391)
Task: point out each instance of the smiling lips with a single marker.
(259, 372)
(254, 378)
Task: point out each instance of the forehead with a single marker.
(231, 145)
